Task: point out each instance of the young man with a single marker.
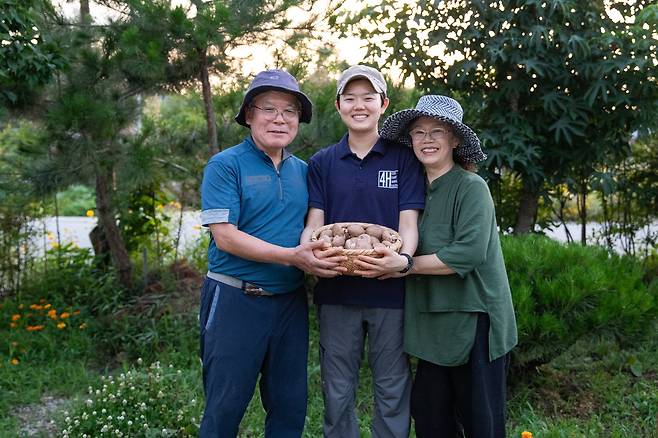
(254, 316)
(364, 179)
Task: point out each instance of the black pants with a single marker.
(468, 399)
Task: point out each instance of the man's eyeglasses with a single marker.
(435, 134)
(271, 113)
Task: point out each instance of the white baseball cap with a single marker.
(361, 72)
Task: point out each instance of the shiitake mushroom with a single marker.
(375, 231)
(355, 230)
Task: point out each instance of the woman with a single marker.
(459, 318)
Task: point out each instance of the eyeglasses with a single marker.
(435, 134)
(271, 113)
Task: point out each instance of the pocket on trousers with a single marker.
(213, 308)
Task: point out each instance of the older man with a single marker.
(254, 315)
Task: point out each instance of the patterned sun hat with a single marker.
(444, 108)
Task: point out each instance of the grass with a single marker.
(594, 389)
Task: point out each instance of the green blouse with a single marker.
(459, 226)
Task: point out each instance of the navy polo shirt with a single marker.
(241, 187)
(388, 180)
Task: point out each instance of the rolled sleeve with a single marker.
(473, 228)
(214, 216)
(220, 192)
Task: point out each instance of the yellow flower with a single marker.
(526, 434)
(20, 306)
(61, 325)
(90, 213)
(64, 315)
(47, 306)
(55, 245)
(13, 325)
(15, 317)
(160, 207)
(196, 227)
(15, 361)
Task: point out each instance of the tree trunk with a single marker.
(207, 104)
(84, 12)
(110, 229)
(528, 205)
(582, 213)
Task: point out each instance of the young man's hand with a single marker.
(388, 266)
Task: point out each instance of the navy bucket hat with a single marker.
(275, 80)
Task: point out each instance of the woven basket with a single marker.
(352, 254)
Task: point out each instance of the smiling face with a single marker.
(433, 142)
(360, 106)
(272, 133)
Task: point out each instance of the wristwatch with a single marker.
(410, 263)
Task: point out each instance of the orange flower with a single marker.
(61, 325)
(34, 328)
(64, 315)
(47, 306)
(36, 306)
(52, 313)
(15, 317)
(15, 361)
(13, 325)
(77, 312)
(42, 300)
(526, 434)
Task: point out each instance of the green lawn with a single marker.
(595, 389)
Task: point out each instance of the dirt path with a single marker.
(37, 420)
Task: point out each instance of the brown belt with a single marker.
(247, 288)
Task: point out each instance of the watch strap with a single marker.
(410, 263)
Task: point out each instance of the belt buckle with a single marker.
(253, 290)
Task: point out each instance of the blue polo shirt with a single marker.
(241, 187)
(388, 180)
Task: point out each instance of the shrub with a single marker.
(71, 276)
(562, 292)
(141, 402)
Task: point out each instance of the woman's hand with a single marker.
(388, 266)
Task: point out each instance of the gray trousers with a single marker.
(343, 331)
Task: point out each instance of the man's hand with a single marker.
(388, 266)
(318, 258)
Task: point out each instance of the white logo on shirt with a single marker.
(388, 179)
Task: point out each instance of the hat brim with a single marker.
(304, 101)
(395, 128)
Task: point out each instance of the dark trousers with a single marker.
(469, 399)
(243, 336)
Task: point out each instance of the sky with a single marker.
(255, 58)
